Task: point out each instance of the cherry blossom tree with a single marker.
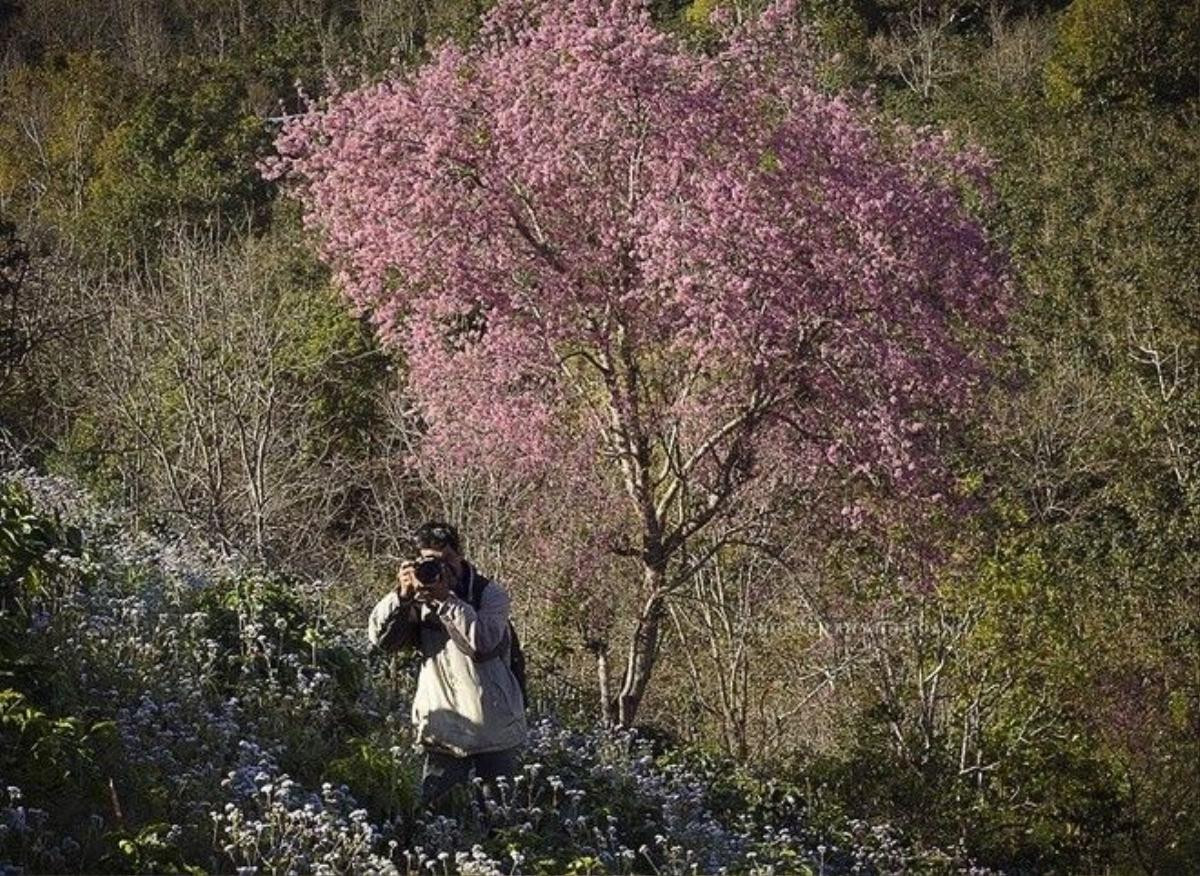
(684, 276)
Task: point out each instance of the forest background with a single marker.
(170, 341)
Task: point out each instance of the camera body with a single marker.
(427, 569)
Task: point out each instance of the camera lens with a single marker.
(428, 570)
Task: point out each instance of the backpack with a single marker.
(516, 657)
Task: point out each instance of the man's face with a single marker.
(450, 559)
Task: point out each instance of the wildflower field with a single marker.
(165, 710)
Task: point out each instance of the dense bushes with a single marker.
(152, 661)
(184, 152)
(1120, 51)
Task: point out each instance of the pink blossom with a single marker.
(704, 264)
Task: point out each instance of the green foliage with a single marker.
(456, 20)
(271, 636)
(325, 350)
(267, 603)
(186, 152)
(53, 120)
(53, 756)
(88, 453)
(289, 52)
(842, 32)
(36, 562)
(768, 794)
(382, 771)
(26, 540)
(23, 542)
(1126, 52)
(1052, 790)
(149, 850)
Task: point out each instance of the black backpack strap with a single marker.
(476, 584)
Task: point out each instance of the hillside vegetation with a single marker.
(212, 466)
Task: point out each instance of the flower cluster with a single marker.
(274, 825)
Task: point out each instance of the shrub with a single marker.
(1126, 51)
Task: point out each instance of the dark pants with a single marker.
(444, 771)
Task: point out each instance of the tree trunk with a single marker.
(643, 650)
(607, 717)
(598, 648)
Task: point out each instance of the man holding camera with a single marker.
(468, 711)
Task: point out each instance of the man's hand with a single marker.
(407, 585)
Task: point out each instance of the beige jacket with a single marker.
(462, 705)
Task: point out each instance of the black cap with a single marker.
(438, 534)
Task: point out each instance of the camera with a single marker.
(427, 569)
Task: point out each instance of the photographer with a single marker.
(468, 711)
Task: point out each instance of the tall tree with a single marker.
(698, 274)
